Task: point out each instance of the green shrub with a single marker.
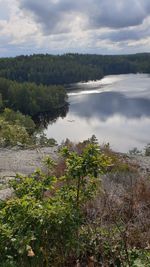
(18, 118)
(46, 215)
(11, 135)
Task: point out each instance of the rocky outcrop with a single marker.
(20, 161)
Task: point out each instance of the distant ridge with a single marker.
(71, 68)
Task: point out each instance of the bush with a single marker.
(16, 129)
(42, 224)
(67, 215)
(11, 135)
(18, 118)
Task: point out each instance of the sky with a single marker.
(83, 26)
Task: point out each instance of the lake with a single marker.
(116, 109)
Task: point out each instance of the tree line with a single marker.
(70, 68)
(30, 98)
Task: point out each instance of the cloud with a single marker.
(128, 34)
(87, 26)
(119, 14)
(53, 16)
(60, 16)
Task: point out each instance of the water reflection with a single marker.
(43, 120)
(116, 111)
(105, 105)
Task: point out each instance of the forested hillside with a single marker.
(70, 68)
(30, 98)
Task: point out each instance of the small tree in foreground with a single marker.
(41, 224)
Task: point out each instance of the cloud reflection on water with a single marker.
(118, 113)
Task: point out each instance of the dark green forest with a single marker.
(30, 98)
(70, 68)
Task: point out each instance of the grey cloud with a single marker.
(53, 17)
(57, 16)
(123, 35)
(120, 14)
(58, 20)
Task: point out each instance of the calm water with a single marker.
(116, 109)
